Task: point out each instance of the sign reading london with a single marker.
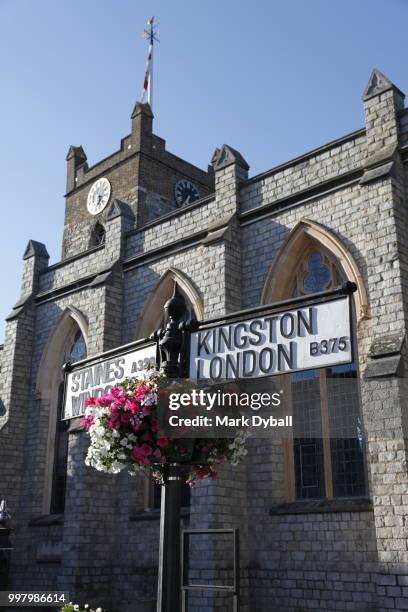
(98, 378)
(314, 336)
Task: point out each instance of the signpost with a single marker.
(314, 336)
(95, 377)
(296, 334)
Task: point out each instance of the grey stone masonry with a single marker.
(15, 374)
(388, 449)
(348, 199)
(76, 158)
(142, 173)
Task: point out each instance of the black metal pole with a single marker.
(170, 342)
(169, 588)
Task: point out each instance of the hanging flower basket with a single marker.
(124, 432)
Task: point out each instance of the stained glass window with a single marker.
(78, 348)
(329, 446)
(316, 272)
(318, 275)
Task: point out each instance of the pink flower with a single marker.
(116, 392)
(140, 454)
(162, 442)
(91, 401)
(131, 406)
(87, 421)
(135, 424)
(146, 449)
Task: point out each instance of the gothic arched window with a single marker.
(317, 272)
(152, 318)
(330, 461)
(97, 235)
(76, 351)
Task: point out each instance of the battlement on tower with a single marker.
(141, 172)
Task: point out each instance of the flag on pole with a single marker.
(147, 94)
(148, 75)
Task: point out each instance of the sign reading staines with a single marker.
(98, 378)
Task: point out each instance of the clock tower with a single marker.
(142, 173)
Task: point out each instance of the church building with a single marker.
(323, 521)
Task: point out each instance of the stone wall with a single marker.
(142, 173)
(104, 548)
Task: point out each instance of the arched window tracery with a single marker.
(328, 463)
(316, 272)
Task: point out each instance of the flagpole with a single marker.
(150, 34)
(150, 97)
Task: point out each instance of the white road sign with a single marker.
(98, 378)
(314, 336)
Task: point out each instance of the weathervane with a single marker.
(150, 34)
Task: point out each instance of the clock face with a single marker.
(98, 196)
(185, 192)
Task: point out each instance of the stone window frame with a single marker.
(49, 379)
(284, 276)
(151, 319)
(283, 268)
(152, 313)
(98, 235)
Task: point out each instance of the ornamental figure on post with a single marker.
(170, 339)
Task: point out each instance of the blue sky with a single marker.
(271, 78)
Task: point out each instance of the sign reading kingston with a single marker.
(98, 378)
(314, 336)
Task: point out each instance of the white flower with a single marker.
(76, 607)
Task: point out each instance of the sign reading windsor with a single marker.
(314, 336)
